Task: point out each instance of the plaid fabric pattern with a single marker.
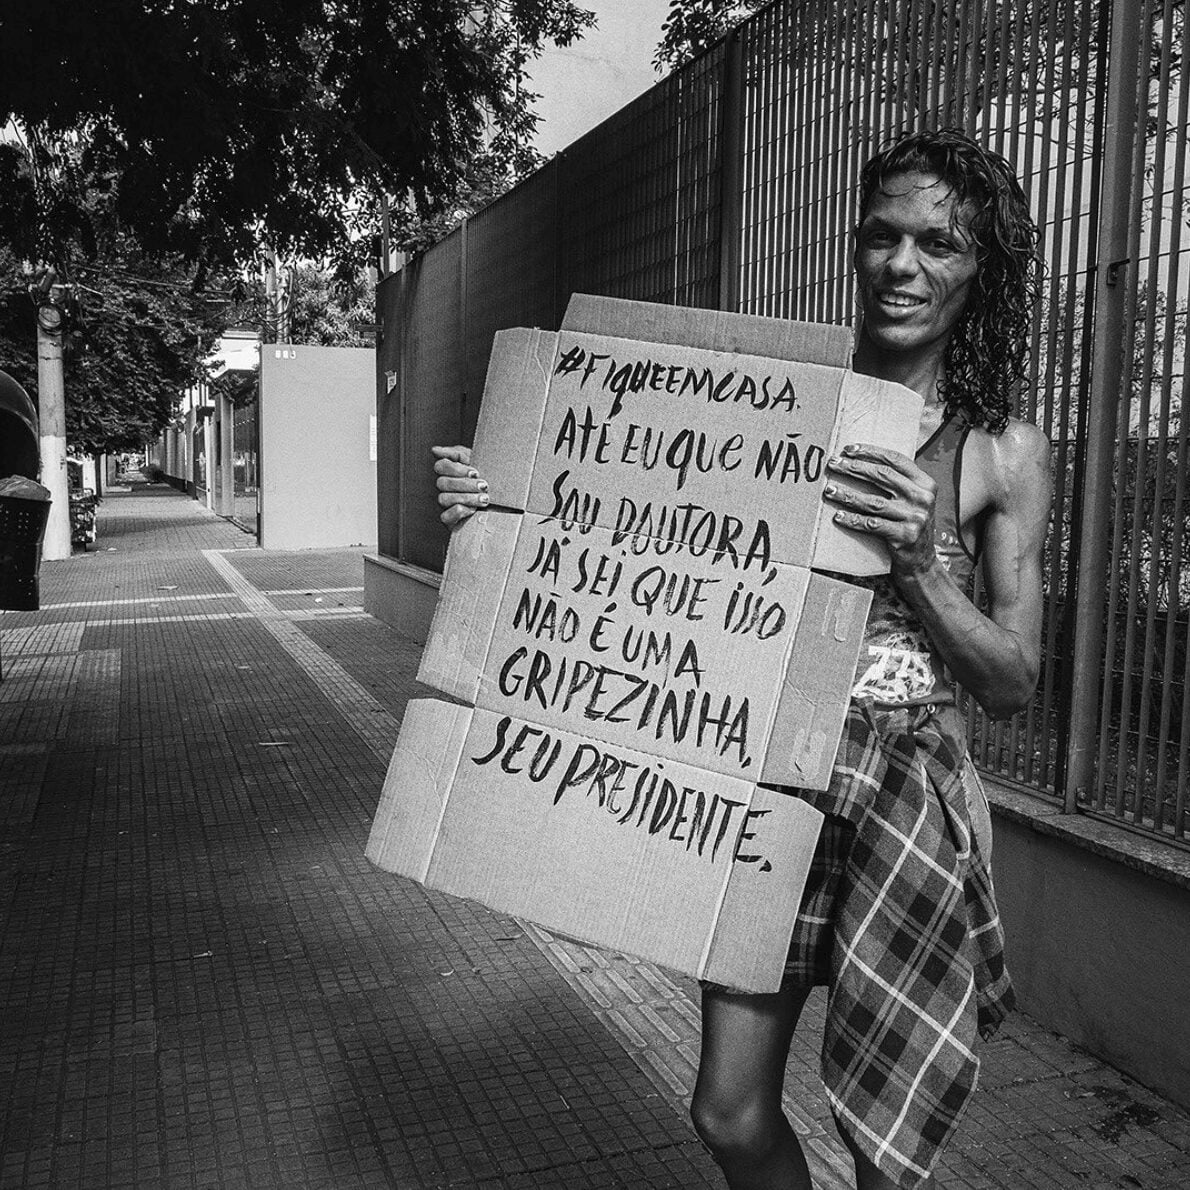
(916, 949)
(812, 946)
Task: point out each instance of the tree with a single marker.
(317, 306)
(695, 25)
(158, 142)
(138, 332)
(225, 123)
(139, 337)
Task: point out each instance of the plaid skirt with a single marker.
(809, 961)
(899, 919)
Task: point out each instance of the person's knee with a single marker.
(735, 1128)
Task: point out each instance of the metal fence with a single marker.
(732, 184)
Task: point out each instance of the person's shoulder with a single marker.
(1015, 462)
(1018, 437)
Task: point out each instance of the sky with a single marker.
(583, 85)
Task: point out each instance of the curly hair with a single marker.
(985, 365)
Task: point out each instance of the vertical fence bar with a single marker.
(1175, 617)
(1107, 366)
(402, 388)
(464, 291)
(731, 173)
(1141, 577)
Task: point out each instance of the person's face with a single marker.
(914, 264)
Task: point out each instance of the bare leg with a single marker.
(737, 1099)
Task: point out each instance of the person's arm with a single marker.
(460, 489)
(996, 657)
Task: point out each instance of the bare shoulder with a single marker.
(1021, 444)
(1014, 467)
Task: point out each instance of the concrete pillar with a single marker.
(208, 447)
(187, 460)
(51, 414)
(227, 478)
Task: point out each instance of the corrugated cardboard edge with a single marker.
(746, 907)
(717, 330)
(869, 410)
(814, 698)
(478, 565)
(510, 415)
(417, 786)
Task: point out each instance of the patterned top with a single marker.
(898, 666)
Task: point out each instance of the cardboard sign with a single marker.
(639, 636)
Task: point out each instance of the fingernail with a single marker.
(833, 461)
(483, 499)
(830, 489)
(483, 485)
(472, 474)
(849, 450)
(840, 517)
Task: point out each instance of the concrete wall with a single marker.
(403, 596)
(317, 447)
(1098, 927)
(173, 457)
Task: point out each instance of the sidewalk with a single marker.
(203, 983)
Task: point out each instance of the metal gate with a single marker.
(732, 184)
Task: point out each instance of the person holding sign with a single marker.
(899, 917)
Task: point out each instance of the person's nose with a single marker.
(902, 261)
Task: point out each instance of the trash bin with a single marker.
(26, 509)
(82, 517)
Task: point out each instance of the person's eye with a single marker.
(941, 247)
(877, 239)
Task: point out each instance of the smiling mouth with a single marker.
(900, 301)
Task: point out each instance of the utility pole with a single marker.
(51, 415)
(270, 297)
(278, 294)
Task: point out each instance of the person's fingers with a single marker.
(457, 470)
(447, 483)
(457, 454)
(878, 526)
(858, 501)
(899, 476)
(879, 454)
(894, 472)
(464, 499)
(455, 515)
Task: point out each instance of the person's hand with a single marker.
(460, 490)
(900, 513)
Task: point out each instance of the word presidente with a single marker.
(680, 380)
(633, 794)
